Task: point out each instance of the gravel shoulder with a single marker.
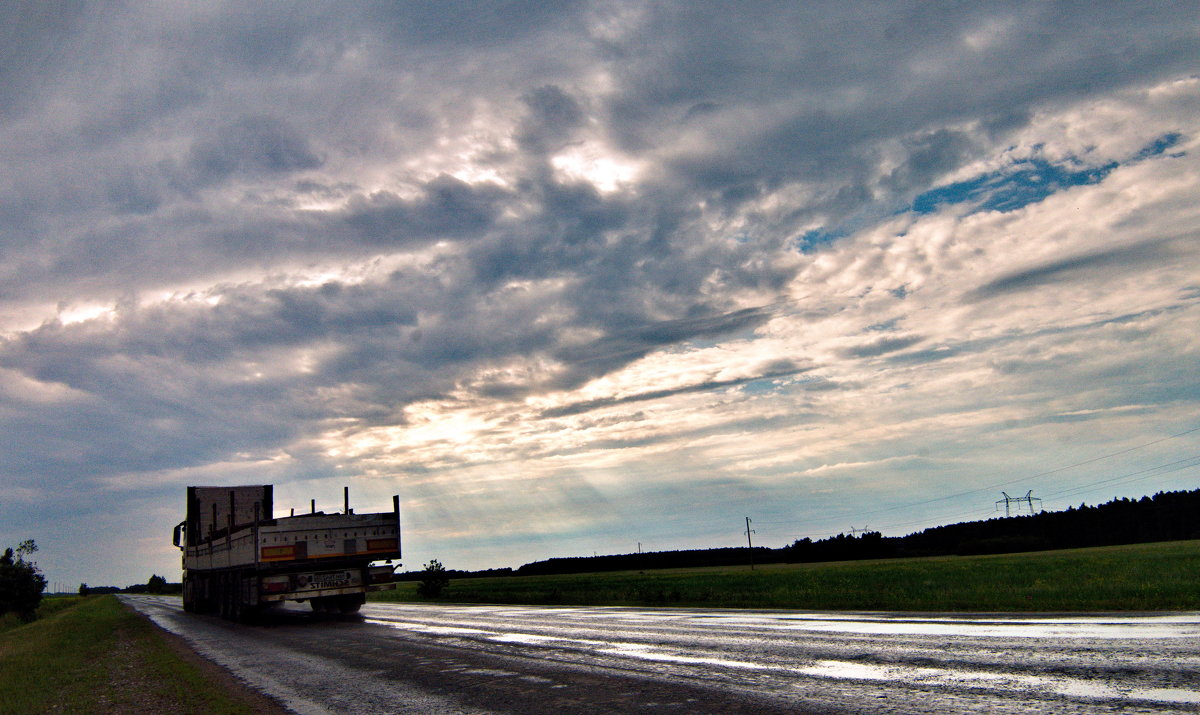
(145, 699)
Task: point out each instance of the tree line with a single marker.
(1166, 516)
(156, 585)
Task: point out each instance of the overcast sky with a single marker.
(573, 277)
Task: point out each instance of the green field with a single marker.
(1140, 577)
(94, 655)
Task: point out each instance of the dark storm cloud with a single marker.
(1086, 266)
(473, 23)
(250, 145)
(447, 208)
(882, 346)
(566, 235)
(623, 346)
(929, 157)
(196, 334)
(553, 115)
(35, 41)
(918, 357)
(589, 405)
(180, 385)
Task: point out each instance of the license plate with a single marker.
(332, 580)
(335, 579)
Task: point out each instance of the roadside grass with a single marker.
(95, 655)
(1138, 577)
(49, 606)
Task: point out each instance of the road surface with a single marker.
(408, 658)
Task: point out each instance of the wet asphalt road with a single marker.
(399, 658)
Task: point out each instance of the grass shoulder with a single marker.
(1138, 577)
(95, 655)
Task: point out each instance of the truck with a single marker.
(239, 558)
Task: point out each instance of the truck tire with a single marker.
(221, 596)
(249, 614)
(229, 597)
(189, 599)
(351, 602)
(204, 600)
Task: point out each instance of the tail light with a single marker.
(382, 574)
(275, 584)
(382, 544)
(279, 553)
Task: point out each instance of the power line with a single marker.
(1138, 475)
(977, 513)
(1042, 474)
(781, 526)
(999, 485)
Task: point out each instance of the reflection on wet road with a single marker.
(420, 658)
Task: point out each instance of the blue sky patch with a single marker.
(1026, 182)
(1159, 145)
(765, 385)
(813, 239)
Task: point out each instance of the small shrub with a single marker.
(433, 579)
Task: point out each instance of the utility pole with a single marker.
(749, 544)
(1028, 499)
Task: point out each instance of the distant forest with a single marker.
(1166, 516)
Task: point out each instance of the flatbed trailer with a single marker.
(238, 558)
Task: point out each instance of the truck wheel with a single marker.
(229, 598)
(318, 604)
(222, 597)
(208, 603)
(189, 599)
(351, 602)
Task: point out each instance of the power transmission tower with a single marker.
(1028, 500)
(855, 532)
(749, 544)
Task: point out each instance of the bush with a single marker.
(433, 579)
(156, 585)
(21, 583)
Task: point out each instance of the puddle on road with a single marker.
(1071, 687)
(1140, 628)
(1057, 627)
(645, 652)
(897, 675)
(423, 628)
(532, 639)
(1022, 630)
(489, 671)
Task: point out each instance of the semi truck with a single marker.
(238, 558)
